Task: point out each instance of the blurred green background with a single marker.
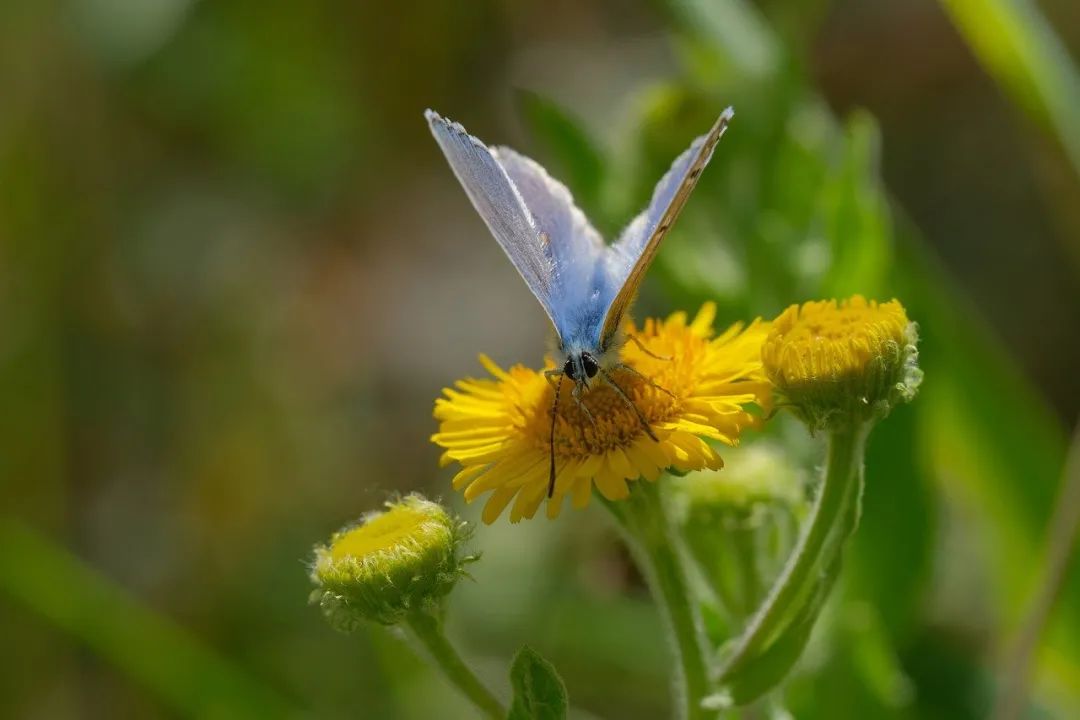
(235, 271)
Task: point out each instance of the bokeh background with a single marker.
(235, 272)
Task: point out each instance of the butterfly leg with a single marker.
(641, 346)
(634, 371)
(551, 440)
(626, 398)
(549, 374)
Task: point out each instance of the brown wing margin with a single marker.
(622, 301)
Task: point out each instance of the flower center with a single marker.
(380, 533)
(613, 424)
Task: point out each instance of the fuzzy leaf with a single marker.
(539, 693)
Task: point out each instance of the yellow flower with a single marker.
(499, 429)
(392, 563)
(834, 362)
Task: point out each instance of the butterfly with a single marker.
(585, 285)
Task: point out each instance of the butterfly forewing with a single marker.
(500, 205)
(631, 256)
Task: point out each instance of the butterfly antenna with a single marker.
(626, 398)
(551, 440)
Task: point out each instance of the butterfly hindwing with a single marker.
(574, 246)
(632, 254)
(552, 207)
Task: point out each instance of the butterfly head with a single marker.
(581, 367)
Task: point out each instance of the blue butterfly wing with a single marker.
(584, 286)
(501, 206)
(629, 257)
(576, 249)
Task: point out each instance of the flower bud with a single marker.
(391, 563)
(839, 363)
(740, 523)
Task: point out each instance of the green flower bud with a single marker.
(758, 474)
(740, 523)
(392, 563)
(842, 363)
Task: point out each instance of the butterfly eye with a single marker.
(568, 369)
(591, 368)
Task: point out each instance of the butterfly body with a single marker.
(584, 285)
(581, 329)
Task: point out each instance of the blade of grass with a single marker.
(1020, 50)
(1060, 549)
(184, 675)
(735, 30)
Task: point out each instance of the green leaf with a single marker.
(892, 553)
(768, 669)
(1021, 51)
(856, 672)
(539, 693)
(856, 215)
(729, 36)
(175, 668)
(989, 437)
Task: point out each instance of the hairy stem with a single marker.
(645, 522)
(832, 520)
(428, 630)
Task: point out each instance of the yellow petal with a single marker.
(497, 503)
(467, 474)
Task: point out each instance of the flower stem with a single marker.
(832, 520)
(644, 520)
(428, 630)
(745, 551)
